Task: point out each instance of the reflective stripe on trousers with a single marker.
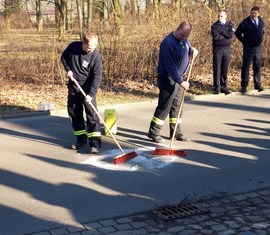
(170, 97)
(173, 120)
(80, 132)
(157, 121)
(94, 134)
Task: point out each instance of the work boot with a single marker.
(81, 142)
(259, 88)
(156, 138)
(216, 91)
(226, 91)
(181, 137)
(94, 150)
(243, 90)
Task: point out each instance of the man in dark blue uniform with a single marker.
(250, 33)
(222, 32)
(82, 61)
(174, 54)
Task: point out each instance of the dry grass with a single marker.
(17, 97)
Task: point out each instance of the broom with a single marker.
(170, 151)
(120, 158)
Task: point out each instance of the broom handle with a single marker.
(182, 102)
(97, 113)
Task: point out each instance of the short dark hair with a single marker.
(184, 24)
(223, 10)
(255, 8)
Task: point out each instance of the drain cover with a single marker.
(179, 210)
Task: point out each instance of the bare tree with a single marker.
(158, 8)
(105, 13)
(39, 15)
(61, 6)
(118, 17)
(178, 4)
(212, 4)
(80, 17)
(7, 13)
(134, 7)
(89, 14)
(69, 14)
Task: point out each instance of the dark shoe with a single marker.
(226, 91)
(78, 145)
(259, 88)
(81, 142)
(243, 90)
(216, 92)
(181, 137)
(94, 150)
(156, 138)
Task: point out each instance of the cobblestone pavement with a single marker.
(247, 214)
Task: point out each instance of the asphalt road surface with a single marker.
(44, 184)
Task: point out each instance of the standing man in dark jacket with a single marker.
(250, 33)
(82, 61)
(222, 32)
(174, 54)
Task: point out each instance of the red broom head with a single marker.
(124, 157)
(170, 152)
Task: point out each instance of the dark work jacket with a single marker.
(86, 67)
(222, 35)
(173, 58)
(249, 34)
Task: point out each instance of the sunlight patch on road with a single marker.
(194, 163)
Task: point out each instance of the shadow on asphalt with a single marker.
(52, 131)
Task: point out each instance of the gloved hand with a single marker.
(194, 52)
(88, 98)
(185, 85)
(70, 74)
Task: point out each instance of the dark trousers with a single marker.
(254, 55)
(76, 107)
(221, 61)
(169, 100)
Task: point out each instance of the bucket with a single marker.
(110, 120)
(45, 106)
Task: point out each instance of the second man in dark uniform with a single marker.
(222, 32)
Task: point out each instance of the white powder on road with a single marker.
(143, 162)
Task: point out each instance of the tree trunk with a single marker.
(56, 12)
(118, 17)
(105, 14)
(7, 13)
(62, 8)
(79, 10)
(39, 15)
(90, 13)
(134, 7)
(69, 7)
(155, 13)
(158, 8)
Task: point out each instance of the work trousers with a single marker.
(221, 61)
(254, 55)
(76, 107)
(170, 98)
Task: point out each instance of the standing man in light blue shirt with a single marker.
(175, 51)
